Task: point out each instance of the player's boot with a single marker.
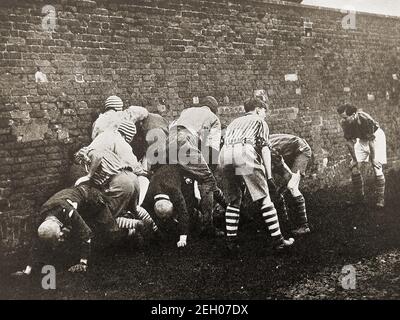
(284, 244)
(302, 230)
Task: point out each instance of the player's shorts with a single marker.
(362, 149)
(242, 163)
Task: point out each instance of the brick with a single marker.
(176, 50)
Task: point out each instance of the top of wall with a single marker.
(293, 4)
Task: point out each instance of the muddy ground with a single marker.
(342, 235)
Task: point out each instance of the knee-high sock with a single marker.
(145, 216)
(219, 197)
(270, 217)
(358, 184)
(380, 188)
(232, 216)
(299, 205)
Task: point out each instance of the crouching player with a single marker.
(295, 152)
(165, 201)
(246, 157)
(61, 222)
(366, 142)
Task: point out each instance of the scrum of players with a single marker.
(148, 179)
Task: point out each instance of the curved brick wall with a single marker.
(169, 51)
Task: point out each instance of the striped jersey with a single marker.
(250, 128)
(110, 165)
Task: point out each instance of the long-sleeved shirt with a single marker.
(107, 121)
(360, 125)
(60, 205)
(168, 180)
(288, 145)
(114, 142)
(203, 124)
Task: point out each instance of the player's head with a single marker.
(114, 103)
(50, 231)
(256, 105)
(136, 114)
(346, 110)
(163, 206)
(210, 102)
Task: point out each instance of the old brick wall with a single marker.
(152, 51)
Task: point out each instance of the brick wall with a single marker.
(147, 51)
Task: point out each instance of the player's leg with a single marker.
(299, 203)
(362, 154)
(378, 159)
(257, 186)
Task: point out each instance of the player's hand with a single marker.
(354, 164)
(82, 180)
(64, 234)
(20, 274)
(182, 241)
(78, 268)
(294, 180)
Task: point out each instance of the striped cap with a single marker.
(128, 130)
(115, 103)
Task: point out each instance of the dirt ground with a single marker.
(342, 235)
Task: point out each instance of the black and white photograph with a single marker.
(205, 152)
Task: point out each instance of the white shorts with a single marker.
(362, 150)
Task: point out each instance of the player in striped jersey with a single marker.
(110, 119)
(113, 167)
(246, 157)
(295, 153)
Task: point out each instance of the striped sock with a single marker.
(380, 188)
(299, 205)
(270, 217)
(358, 185)
(144, 215)
(232, 216)
(219, 197)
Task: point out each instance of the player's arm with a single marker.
(179, 203)
(214, 140)
(84, 234)
(350, 146)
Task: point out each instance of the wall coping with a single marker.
(313, 7)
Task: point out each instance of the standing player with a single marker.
(366, 142)
(246, 157)
(198, 125)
